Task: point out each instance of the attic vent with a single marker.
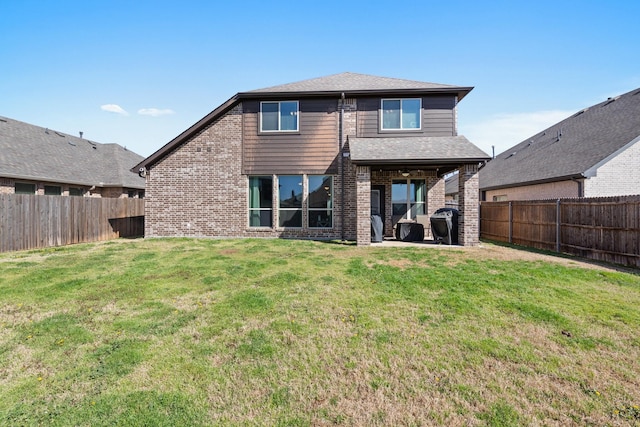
(512, 154)
(71, 143)
(580, 112)
(3, 120)
(610, 100)
(636, 93)
(60, 134)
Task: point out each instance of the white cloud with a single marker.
(114, 108)
(506, 130)
(155, 112)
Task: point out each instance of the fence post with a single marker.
(558, 225)
(510, 224)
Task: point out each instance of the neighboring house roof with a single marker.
(35, 153)
(421, 150)
(572, 148)
(349, 84)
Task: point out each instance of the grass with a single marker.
(273, 332)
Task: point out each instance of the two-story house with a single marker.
(313, 160)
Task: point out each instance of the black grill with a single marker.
(444, 226)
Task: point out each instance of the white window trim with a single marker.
(401, 102)
(279, 130)
(309, 209)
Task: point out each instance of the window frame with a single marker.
(409, 204)
(292, 209)
(31, 185)
(52, 190)
(401, 128)
(328, 210)
(78, 190)
(251, 210)
(280, 130)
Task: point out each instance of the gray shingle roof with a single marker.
(357, 83)
(35, 153)
(569, 148)
(415, 150)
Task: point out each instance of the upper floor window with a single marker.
(279, 116)
(401, 114)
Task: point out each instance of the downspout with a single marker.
(580, 183)
(341, 147)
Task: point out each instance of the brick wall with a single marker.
(468, 206)
(198, 190)
(363, 205)
(350, 206)
(618, 177)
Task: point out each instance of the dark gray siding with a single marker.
(313, 149)
(438, 118)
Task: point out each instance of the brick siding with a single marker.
(468, 206)
(199, 190)
(618, 177)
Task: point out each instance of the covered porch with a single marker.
(401, 179)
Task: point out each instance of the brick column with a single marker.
(363, 205)
(469, 220)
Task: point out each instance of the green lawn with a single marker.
(273, 332)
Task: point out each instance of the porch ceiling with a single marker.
(423, 152)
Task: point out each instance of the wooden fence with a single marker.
(604, 229)
(29, 221)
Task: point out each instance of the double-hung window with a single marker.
(290, 201)
(401, 114)
(320, 201)
(408, 198)
(279, 116)
(260, 201)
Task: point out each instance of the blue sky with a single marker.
(138, 73)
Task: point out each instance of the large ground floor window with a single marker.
(320, 201)
(290, 201)
(408, 198)
(260, 201)
(316, 198)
